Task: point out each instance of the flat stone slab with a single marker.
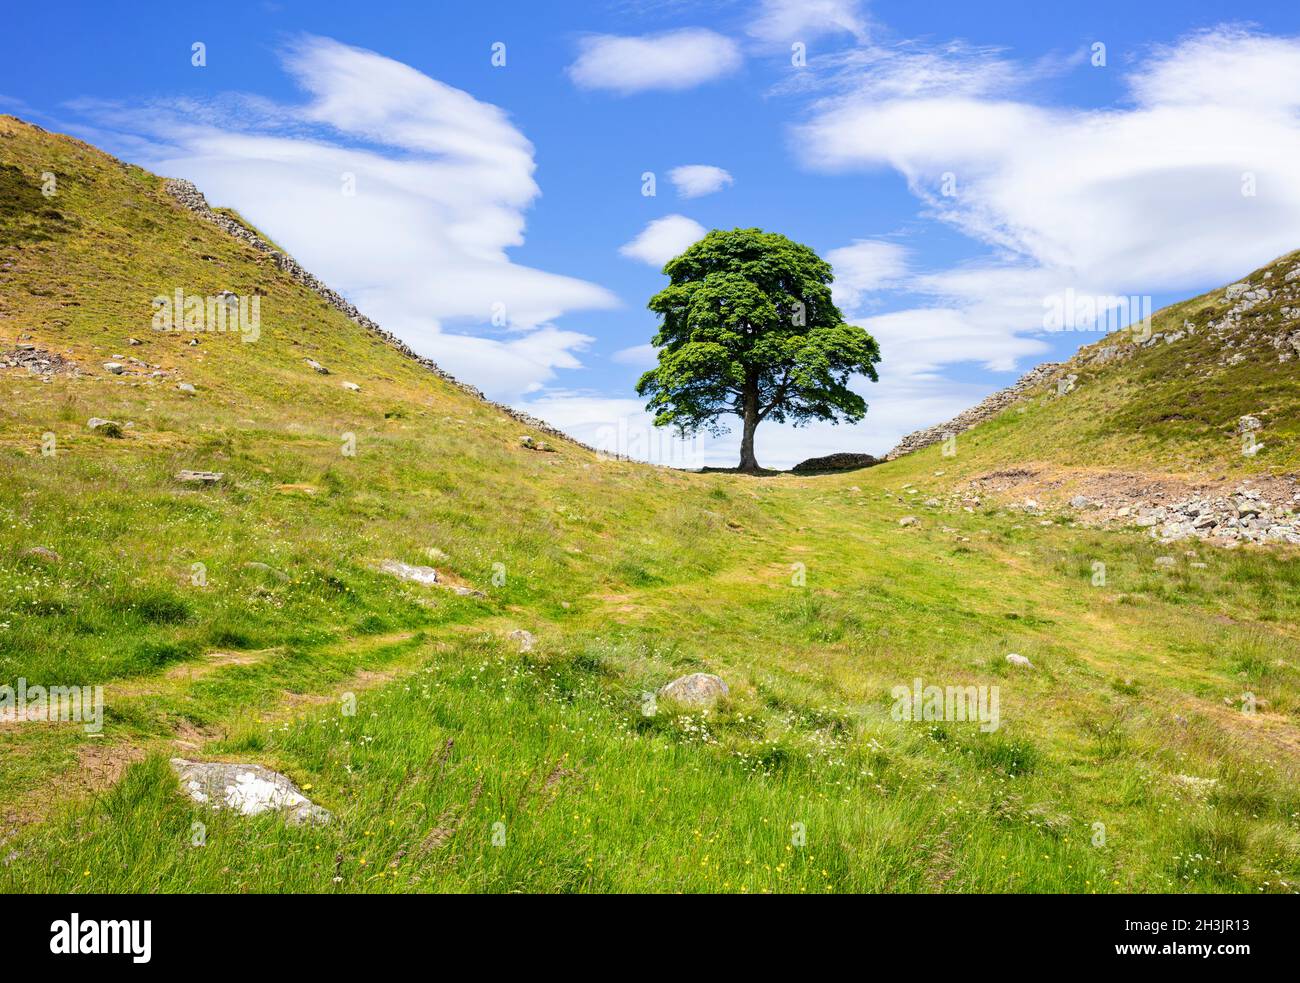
(249, 790)
(200, 477)
(406, 571)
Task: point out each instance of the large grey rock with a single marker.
(105, 428)
(406, 571)
(249, 790)
(317, 366)
(1019, 660)
(699, 689)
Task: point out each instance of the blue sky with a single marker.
(960, 164)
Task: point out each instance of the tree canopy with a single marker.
(749, 329)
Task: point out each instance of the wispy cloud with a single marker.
(786, 21)
(1195, 182)
(864, 266)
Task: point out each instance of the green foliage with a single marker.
(749, 328)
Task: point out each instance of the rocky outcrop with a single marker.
(1245, 516)
(191, 198)
(987, 408)
(1257, 318)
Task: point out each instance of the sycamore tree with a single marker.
(749, 329)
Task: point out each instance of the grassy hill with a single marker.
(1123, 760)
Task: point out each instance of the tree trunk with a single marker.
(748, 462)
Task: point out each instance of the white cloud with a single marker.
(442, 182)
(865, 266)
(673, 60)
(803, 20)
(663, 239)
(697, 180)
(1137, 200)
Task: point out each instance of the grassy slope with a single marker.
(1170, 407)
(629, 575)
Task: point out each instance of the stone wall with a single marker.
(986, 409)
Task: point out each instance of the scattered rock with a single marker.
(1248, 424)
(186, 387)
(37, 361)
(534, 445)
(1164, 561)
(105, 428)
(469, 592)
(133, 341)
(908, 520)
(526, 639)
(41, 554)
(699, 689)
(317, 366)
(266, 568)
(249, 790)
(352, 387)
(1079, 502)
(117, 368)
(405, 571)
(1019, 660)
(199, 477)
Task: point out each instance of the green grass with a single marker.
(628, 575)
